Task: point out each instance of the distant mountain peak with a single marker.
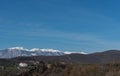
(44, 50)
(50, 50)
(18, 48)
(67, 52)
(34, 49)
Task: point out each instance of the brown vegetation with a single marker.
(60, 69)
(76, 70)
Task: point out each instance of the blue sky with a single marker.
(68, 25)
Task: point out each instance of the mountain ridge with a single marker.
(109, 56)
(99, 58)
(21, 51)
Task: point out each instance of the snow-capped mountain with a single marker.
(68, 52)
(20, 51)
(45, 52)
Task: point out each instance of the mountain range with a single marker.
(19, 54)
(109, 56)
(20, 51)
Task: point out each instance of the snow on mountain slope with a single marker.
(67, 52)
(46, 52)
(20, 51)
(18, 48)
